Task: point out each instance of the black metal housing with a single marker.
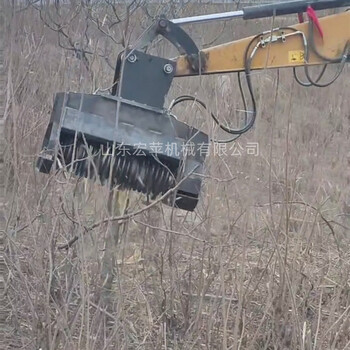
(142, 136)
(128, 139)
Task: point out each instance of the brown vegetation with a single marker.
(263, 262)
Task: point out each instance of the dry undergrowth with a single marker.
(263, 262)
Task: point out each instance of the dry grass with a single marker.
(263, 262)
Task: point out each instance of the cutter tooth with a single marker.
(140, 173)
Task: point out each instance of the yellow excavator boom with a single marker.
(283, 48)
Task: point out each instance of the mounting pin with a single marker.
(168, 68)
(132, 58)
(162, 23)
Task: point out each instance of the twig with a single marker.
(120, 217)
(327, 222)
(211, 296)
(26, 225)
(188, 235)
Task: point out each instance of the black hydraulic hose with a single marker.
(184, 98)
(290, 7)
(308, 84)
(341, 59)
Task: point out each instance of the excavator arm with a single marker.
(298, 45)
(129, 139)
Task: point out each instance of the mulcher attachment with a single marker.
(143, 150)
(128, 139)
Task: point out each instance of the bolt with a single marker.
(168, 68)
(162, 23)
(132, 58)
